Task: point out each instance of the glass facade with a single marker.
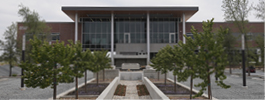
(163, 30)
(96, 33)
(130, 28)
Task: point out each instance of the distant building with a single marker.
(135, 34)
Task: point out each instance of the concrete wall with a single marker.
(132, 47)
(109, 74)
(154, 92)
(140, 47)
(152, 74)
(118, 62)
(131, 75)
(155, 47)
(109, 91)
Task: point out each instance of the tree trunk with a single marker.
(230, 69)
(85, 81)
(76, 87)
(165, 79)
(209, 87)
(10, 69)
(158, 75)
(191, 84)
(54, 82)
(175, 84)
(97, 78)
(103, 74)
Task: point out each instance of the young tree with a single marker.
(81, 63)
(44, 70)
(35, 27)
(229, 44)
(179, 64)
(211, 51)
(163, 61)
(10, 53)
(189, 59)
(260, 45)
(100, 61)
(238, 11)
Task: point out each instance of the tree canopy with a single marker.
(11, 53)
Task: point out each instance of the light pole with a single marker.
(243, 61)
(23, 59)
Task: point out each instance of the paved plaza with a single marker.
(10, 88)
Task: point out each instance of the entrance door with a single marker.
(172, 38)
(127, 38)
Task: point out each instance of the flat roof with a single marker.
(84, 10)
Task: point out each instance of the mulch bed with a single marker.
(73, 98)
(92, 89)
(185, 97)
(169, 88)
(181, 92)
(120, 90)
(142, 90)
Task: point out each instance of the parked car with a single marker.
(252, 69)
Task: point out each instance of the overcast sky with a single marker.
(50, 10)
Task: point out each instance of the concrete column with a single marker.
(112, 38)
(183, 27)
(148, 38)
(76, 27)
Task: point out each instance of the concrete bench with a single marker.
(130, 66)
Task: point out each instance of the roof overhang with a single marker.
(83, 11)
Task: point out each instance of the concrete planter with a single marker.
(109, 91)
(154, 92)
(193, 90)
(72, 89)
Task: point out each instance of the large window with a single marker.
(130, 28)
(55, 36)
(190, 35)
(163, 30)
(96, 33)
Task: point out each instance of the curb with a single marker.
(70, 90)
(194, 90)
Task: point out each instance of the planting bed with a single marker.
(120, 90)
(92, 89)
(142, 90)
(169, 89)
(181, 92)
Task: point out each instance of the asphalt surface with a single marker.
(4, 70)
(254, 90)
(258, 73)
(10, 89)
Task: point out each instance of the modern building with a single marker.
(131, 34)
